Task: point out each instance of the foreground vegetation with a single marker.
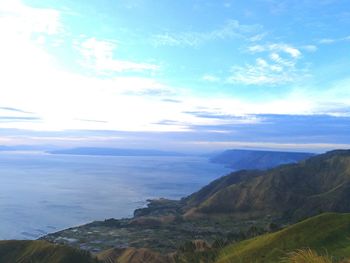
(41, 252)
(307, 256)
(321, 239)
(326, 234)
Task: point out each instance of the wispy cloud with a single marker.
(99, 55)
(95, 121)
(10, 115)
(14, 110)
(328, 41)
(277, 63)
(130, 103)
(263, 73)
(27, 20)
(231, 29)
(227, 118)
(18, 119)
(278, 66)
(291, 132)
(276, 47)
(171, 100)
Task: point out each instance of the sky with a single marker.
(194, 75)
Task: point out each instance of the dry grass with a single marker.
(307, 256)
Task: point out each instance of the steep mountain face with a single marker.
(252, 159)
(211, 189)
(327, 234)
(294, 191)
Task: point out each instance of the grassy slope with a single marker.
(297, 191)
(41, 252)
(326, 233)
(219, 184)
(130, 255)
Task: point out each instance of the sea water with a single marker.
(43, 193)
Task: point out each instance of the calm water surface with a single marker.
(41, 193)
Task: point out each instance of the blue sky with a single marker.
(190, 75)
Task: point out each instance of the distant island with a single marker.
(256, 159)
(236, 159)
(98, 151)
(25, 148)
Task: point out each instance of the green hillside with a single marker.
(132, 255)
(219, 184)
(293, 191)
(327, 234)
(41, 252)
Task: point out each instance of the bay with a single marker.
(42, 193)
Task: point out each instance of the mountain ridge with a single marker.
(239, 159)
(291, 187)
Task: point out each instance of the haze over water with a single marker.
(41, 193)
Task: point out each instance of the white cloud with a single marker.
(279, 67)
(232, 29)
(295, 53)
(328, 41)
(98, 54)
(276, 47)
(274, 72)
(261, 63)
(20, 53)
(31, 80)
(256, 48)
(92, 48)
(20, 19)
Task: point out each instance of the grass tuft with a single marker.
(307, 256)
